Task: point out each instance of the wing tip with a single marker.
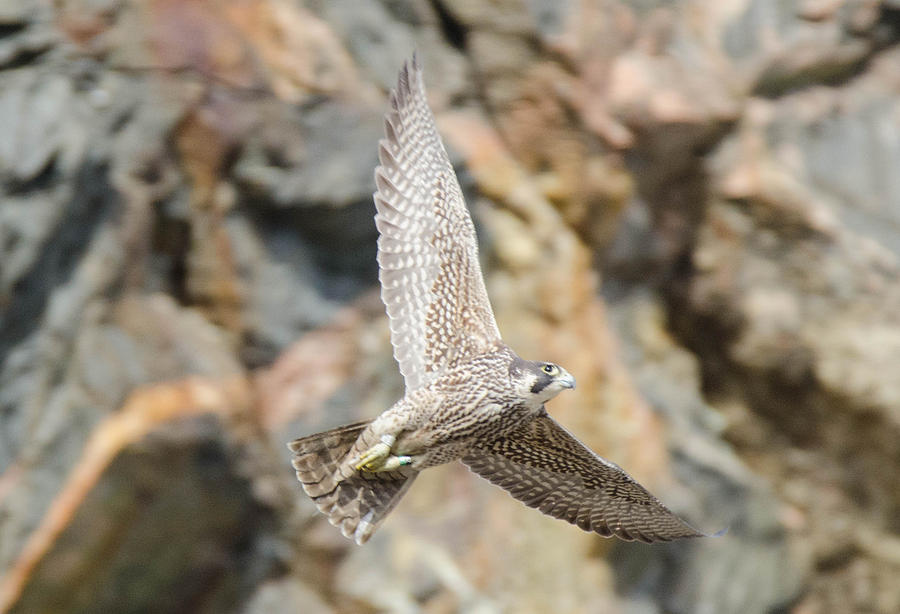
(695, 532)
(720, 533)
(409, 82)
(689, 532)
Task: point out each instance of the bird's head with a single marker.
(538, 382)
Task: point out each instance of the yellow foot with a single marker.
(379, 457)
(373, 458)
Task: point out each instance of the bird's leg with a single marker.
(392, 462)
(379, 457)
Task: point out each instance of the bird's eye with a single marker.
(550, 369)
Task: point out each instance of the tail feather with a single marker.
(317, 458)
(355, 502)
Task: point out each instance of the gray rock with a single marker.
(379, 42)
(716, 492)
(30, 144)
(272, 598)
(754, 289)
(323, 156)
(171, 522)
(780, 48)
(286, 290)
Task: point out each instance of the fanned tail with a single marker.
(356, 502)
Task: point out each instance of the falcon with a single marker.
(468, 396)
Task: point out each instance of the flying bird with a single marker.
(468, 395)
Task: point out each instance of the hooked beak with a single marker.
(567, 381)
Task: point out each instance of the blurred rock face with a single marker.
(187, 282)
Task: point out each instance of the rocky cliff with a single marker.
(694, 207)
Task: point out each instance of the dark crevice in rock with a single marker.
(59, 256)
(705, 335)
(775, 84)
(11, 29)
(453, 30)
(25, 56)
(674, 194)
(171, 244)
(44, 179)
(781, 395)
(340, 274)
(836, 71)
(887, 29)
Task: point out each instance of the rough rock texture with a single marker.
(694, 207)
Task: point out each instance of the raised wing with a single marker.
(545, 467)
(431, 281)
